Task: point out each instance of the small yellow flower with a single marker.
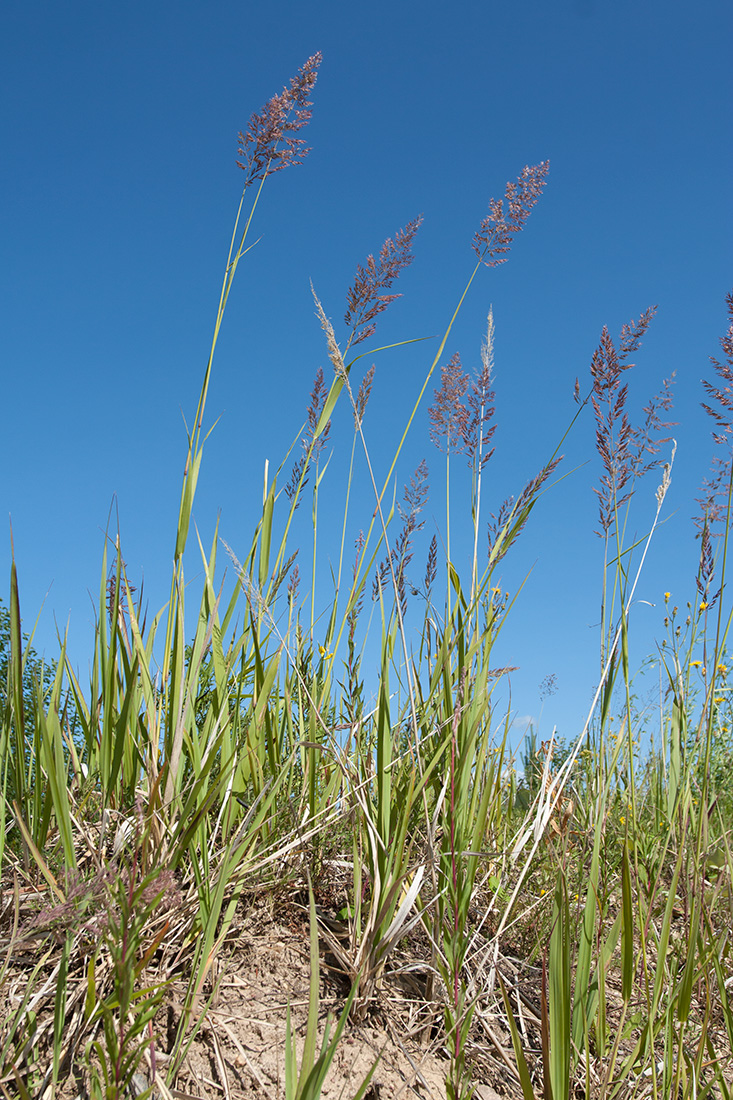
(666, 596)
(703, 606)
(695, 664)
(722, 668)
(718, 700)
(324, 653)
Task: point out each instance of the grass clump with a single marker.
(566, 934)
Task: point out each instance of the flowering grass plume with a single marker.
(498, 229)
(479, 429)
(506, 526)
(363, 395)
(623, 449)
(269, 143)
(319, 393)
(431, 567)
(724, 396)
(312, 445)
(366, 298)
(448, 415)
(415, 496)
(464, 428)
(714, 491)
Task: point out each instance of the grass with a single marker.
(567, 931)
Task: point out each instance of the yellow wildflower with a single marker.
(703, 606)
(695, 664)
(666, 596)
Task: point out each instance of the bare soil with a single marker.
(239, 1050)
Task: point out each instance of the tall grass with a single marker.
(588, 914)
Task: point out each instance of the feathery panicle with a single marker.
(356, 609)
(448, 415)
(381, 579)
(465, 428)
(632, 335)
(312, 446)
(622, 448)
(498, 229)
(319, 393)
(487, 345)
(517, 512)
(415, 496)
(366, 299)
(294, 584)
(363, 395)
(548, 686)
(431, 567)
(705, 574)
(334, 353)
(282, 573)
(713, 497)
(269, 143)
(478, 429)
(646, 438)
(724, 396)
(497, 523)
(666, 481)
(706, 567)
(297, 480)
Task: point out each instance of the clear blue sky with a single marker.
(118, 188)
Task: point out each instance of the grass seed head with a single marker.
(269, 143)
(498, 229)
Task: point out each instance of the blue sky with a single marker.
(119, 187)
